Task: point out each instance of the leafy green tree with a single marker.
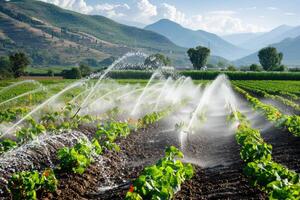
(73, 73)
(255, 68)
(50, 73)
(157, 60)
(199, 56)
(19, 62)
(269, 58)
(280, 68)
(231, 68)
(5, 68)
(85, 70)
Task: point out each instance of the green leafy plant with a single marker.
(77, 158)
(278, 181)
(163, 180)
(6, 145)
(26, 184)
(291, 123)
(34, 129)
(12, 114)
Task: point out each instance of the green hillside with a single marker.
(54, 36)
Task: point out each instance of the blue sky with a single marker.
(218, 16)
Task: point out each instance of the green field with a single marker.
(85, 120)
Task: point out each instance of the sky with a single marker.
(218, 16)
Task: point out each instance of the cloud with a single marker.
(170, 12)
(290, 14)
(146, 8)
(272, 8)
(143, 11)
(76, 5)
(219, 21)
(111, 10)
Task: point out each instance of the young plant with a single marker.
(163, 180)
(26, 184)
(6, 145)
(79, 157)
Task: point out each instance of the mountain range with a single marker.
(274, 36)
(290, 48)
(51, 35)
(189, 38)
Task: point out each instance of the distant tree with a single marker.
(85, 70)
(255, 68)
(157, 60)
(269, 58)
(209, 65)
(73, 73)
(198, 56)
(231, 68)
(5, 68)
(280, 68)
(221, 64)
(19, 62)
(50, 73)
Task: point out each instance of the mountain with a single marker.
(240, 38)
(289, 47)
(274, 36)
(51, 35)
(189, 38)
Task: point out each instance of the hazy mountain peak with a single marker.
(189, 38)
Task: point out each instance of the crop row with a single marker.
(288, 89)
(162, 180)
(24, 185)
(54, 122)
(278, 181)
(281, 99)
(290, 122)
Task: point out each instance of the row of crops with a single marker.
(76, 159)
(163, 179)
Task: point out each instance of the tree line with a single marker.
(269, 58)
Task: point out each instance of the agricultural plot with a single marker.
(164, 138)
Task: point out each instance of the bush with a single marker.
(73, 73)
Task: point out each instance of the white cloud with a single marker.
(252, 8)
(76, 5)
(168, 11)
(290, 14)
(272, 8)
(146, 8)
(111, 10)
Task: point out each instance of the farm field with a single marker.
(160, 138)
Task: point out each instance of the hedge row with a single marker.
(211, 75)
(207, 75)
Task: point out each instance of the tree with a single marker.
(255, 68)
(85, 70)
(5, 68)
(231, 68)
(269, 58)
(157, 60)
(73, 73)
(198, 56)
(19, 62)
(50, 73)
